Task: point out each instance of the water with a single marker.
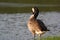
(13, 26)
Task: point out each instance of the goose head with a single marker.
(35, 11)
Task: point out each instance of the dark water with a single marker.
(13, 26)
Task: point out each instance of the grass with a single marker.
(14, 9)
(51, 38)
(33, 1)
(26, 9)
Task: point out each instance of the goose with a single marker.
(36, 26)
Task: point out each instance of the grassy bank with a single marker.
(50, 38)
(26, 9)
(33, 1)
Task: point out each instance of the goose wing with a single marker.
(42, 25)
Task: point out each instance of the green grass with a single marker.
(14, 9)
(51, 38)
(26, 9)
(33, 1)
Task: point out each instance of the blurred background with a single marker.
(14, 15)
(25, 5)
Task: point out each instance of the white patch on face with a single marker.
(33, 9)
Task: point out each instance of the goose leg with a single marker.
(34, 36)
(40, 37)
